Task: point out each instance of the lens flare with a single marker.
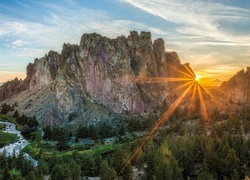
(192, 88)
(161, 121)
(197, 77)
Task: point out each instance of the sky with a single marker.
(213, 36)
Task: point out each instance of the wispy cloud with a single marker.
(198, 19)
(59, 25)
(215, 65)
(206, 33)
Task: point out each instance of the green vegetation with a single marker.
(36, 147)
(12, 120)
(7, 138)
(2, 126)
(23, 123)
(182, 149)
(177, 151)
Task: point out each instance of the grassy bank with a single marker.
(11, 120)
(38, 146)
(7, 138)
(48, 148)
(2, 126)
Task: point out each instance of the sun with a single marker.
(197, 77)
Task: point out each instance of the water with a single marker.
(16, 147)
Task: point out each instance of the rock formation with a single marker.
(99, 71)
(10, 88)
(237, 88)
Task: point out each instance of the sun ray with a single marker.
(221, 91)
(192, 104)
(159, 79)
(217, 101)
(204, 113)
(189, 70)
(182, 86)
(182, 72)
(163, 119)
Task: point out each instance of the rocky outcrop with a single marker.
(11, 88)
(43, 71)
(237, 88)
(99, 71)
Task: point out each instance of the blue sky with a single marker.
(213, 36)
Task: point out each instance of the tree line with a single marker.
(5, 108)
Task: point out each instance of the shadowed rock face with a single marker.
(101, 71)
(10, 88)
(237, 88)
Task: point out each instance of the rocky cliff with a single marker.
(10, 88)
(97, 76)
(237, 88)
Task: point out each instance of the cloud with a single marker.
(61, 25)
(198, 19)
(24, 39)
(215, 65)
(206, 34)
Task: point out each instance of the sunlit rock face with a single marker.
(101, 71)
(237, 88)
(43, 71)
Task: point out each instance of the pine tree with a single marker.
(107, 173)
(119, 162)
(16, 114)
(75, 170)
(232, 162)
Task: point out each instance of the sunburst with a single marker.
(197, 77)
(192, 87)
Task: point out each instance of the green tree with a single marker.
(15, 175)
(88, 165)
(235, 175)
(98, 161)
(122, 130)
(177, 171)
(205, 176)
(165, 164)
(31, 176)
(162, 163)
(16, 114)
(76, 139)
(47, 132)
(232, 162)
(120, 162)
(43, 166)
(62, 137)
(137, 160)
(60, 171)
(149, 160)
(5, 108)
(75, 170)
(106, 172)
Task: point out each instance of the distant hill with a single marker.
(215, 82)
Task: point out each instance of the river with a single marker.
(16, 147)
